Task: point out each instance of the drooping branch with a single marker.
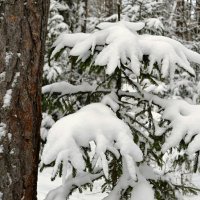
(64, 89)
(62, 192)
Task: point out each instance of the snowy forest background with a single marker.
(148, 168)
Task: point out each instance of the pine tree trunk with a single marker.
(22, 37)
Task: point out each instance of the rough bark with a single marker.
(22, 37)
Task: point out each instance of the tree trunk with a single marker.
(198, 11)
(22, 38)
(111, 7)
(180, 18)
(84, 26)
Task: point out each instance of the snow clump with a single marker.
(95, 122)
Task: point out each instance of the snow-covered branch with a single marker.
(183, 116)
(184, 120)
(67, 88)
(64, 88)
(136, 60)
(62, 192)
(120, 44)
(95, 122)
(141, 185)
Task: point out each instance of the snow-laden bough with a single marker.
(117, 44)
(185, 125)
(95, 122)
(184, 121)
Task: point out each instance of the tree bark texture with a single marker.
(22, 39)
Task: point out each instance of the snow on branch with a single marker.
(118, 43)
(64, 87)
(63, 191)
(168, 53)
(183, 116)
(95, 122)
(68, 40)
(184, 120)
(155, 23)
(142, 189)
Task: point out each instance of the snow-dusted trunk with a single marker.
(22, 38)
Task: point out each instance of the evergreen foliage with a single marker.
(123, 90)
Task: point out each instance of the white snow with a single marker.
(68, 40)
(47, 122)
(147, 171)
(66, 88)
(8, 57)
(1, 148)
(45, 185)
(122, 45)
(111, 100)
(15, 79)
(1, 195)
(53, 72)
(58, 6)
(95, 122)
(63, 191)
(9, 178)
(2, 130)
(168, 53)
(162, 88)
(9, 136)
(142, 191)
(114, 45)
(2, 76)
(154, 23)
(12, 151)
(7, 98)
(184, 118)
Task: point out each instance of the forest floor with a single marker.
(45, 185)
